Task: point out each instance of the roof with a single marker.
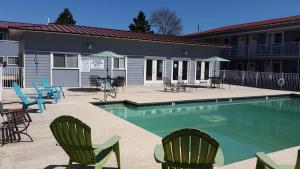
(100, 32)
(5, 24)
(247, 25)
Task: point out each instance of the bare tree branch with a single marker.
(166, 22)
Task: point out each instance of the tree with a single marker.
(140, 24)
(65, 18)
(166, 22)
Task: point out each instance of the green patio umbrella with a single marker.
(216, 59)
(107, 54)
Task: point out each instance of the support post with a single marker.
(256, 79)
(298, 66)
(1, 75)
(243, 78)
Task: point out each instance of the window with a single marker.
(119, 63)
(2, 36)
(65, 60)
(1, 59)
(12, 60)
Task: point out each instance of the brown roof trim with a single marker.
(246, 26)
(103, 32)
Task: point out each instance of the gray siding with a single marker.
(192, 74)
(119, 73)
(135, 70)
(36, 71)
(78, 44)
(65, 77)
(134, 50)
(169, 68)
(9, 48)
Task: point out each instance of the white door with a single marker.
(180, 71)
(202, 71)
(154, 70)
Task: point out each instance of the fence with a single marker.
(11, 75)
(269, 80)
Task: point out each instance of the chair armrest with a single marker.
(219, 159)
(263, 160)
(32, 95)
(57, 86)
(109, 143)
(159, 153)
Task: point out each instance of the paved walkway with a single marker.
(137, 144)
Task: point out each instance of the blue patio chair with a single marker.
(48, 95)
(29, 99)
(50, 88)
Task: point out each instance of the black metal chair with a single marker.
(168, 85)
(15, 123)
(94, 81)
(119, 82)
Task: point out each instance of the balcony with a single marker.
(263, 50)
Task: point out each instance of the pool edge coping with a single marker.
(192, 100)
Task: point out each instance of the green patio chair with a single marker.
(264, 162)
(75, 138)
(189, 149)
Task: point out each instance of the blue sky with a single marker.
(119, 13)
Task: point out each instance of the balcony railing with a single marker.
(277, 49)
(9, 75)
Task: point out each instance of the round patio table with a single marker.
(106, 84)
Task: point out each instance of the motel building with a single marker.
(62, 54)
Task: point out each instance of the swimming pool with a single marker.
(242, 127)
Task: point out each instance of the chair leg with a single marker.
(62, 91)
(70, 164)
(98, 166)
(55, 98)
(116, 149)
(3, 136)
(39, 103)
(164, 166)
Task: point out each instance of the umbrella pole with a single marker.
(214, 68)
(106, 77)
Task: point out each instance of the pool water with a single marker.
(242, 127)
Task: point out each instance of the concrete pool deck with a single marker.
(136, 145)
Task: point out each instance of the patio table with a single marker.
(106, 85)
(194, 86)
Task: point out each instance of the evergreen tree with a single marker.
(140, 24)
(65, 18)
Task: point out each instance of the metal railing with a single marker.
(276, 49)
(269, 80)
(11, 75)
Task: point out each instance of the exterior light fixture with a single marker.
(185, 52)
(90, 46)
